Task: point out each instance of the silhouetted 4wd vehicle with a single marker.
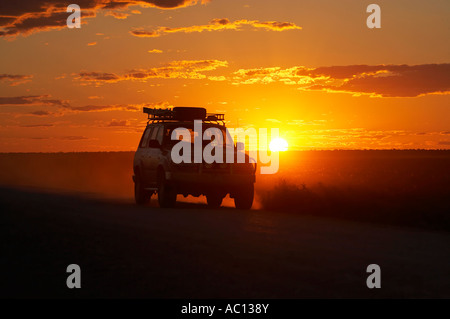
(155, 171)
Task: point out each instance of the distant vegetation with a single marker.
(423, 209)
(103, 173)
(410, 188)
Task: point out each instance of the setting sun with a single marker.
(278, 145)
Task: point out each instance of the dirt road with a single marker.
(193, 252)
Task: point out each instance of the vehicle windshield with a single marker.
(209, 131)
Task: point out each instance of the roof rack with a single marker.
(178, 114)
(215, 117)
(158, 114)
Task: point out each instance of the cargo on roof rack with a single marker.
(181, 113)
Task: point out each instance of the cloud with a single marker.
(32, 16)
(217, 78)
(40, 113)
(118, 123)
(28, 23)
(102, 108)
(62, 107)
(98, 76)
(117, 15)
(32, 100)
(15, 79)
(378, 80)
(112, 107)
(145, 34)
(219, 25)
(351, 138)
(38, 138)
(306, 123)
(73, 138)
(185, 69)
(37, 125)
(66, 138)
(273, 25)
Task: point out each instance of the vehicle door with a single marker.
(144, 154)
(154, 153)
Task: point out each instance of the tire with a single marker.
(243, 199)
(166, 193)
(141, 196)
(214, 200)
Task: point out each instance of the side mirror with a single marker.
(154, 144)
(240, 146)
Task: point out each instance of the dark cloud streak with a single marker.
(377, 80)
(30, 16)
(15, 79)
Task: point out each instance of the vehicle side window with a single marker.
(160, 135)
(145, 137)
(154, 133)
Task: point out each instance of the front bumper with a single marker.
(207, 178)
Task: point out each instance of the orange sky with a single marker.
(311, 68)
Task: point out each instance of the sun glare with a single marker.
(278, 145)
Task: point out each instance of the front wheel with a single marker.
(214, 200)
(141, 196)
(243, 199)
(166, 192)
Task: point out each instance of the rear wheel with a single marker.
(141, 196)
(214, 200)
(166, 192)
(243, 199)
